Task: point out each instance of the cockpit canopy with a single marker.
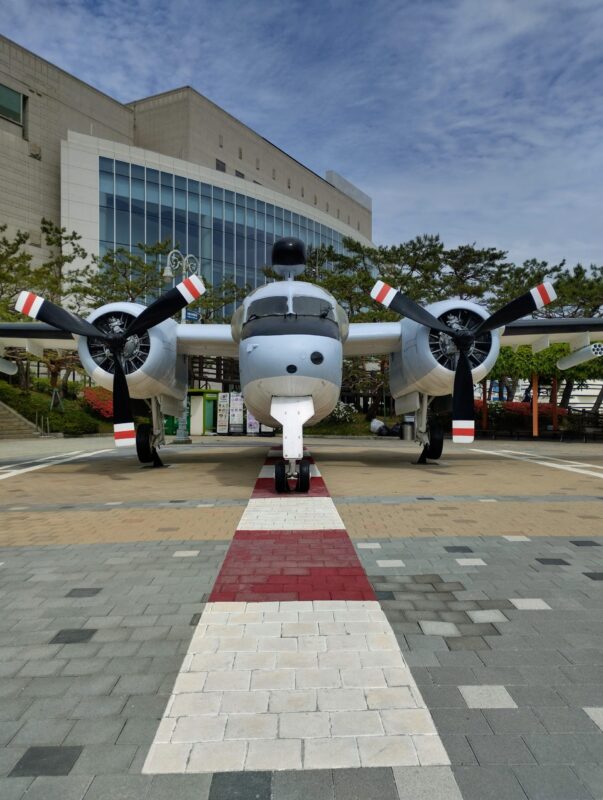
(297, 314)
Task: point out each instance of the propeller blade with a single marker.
(394, 299)
(124, 430)
(463, 422)
(37, 308)
(533, 300)
(168, 304)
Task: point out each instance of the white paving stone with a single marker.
(368, 546)
(217, 757)
(390, 562)
(299, 685)
(596, 714)
(517, 538)
(430, 751)
(434, 628)
(487, 615)
(283, 514)
(470, 562)
(487, 697)
(530, 603)
(185, 553)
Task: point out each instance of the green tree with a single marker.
(15, 271)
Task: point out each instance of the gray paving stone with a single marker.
(42, 732)
(551, 783)
(51, 760)
(120, 787)
(59, 788)
(14, 788)
(95, 731)
(365, 784)
(459, 750)
(565, 748)
(566, 720)
(488, 783)
(104, 760)
(459, 720)
(98, 707)
(513, 720)
(179, 787)
(303, 785)
(592, 777)
(537, 696)
(500, 749)
(240, 786)
(426, 783)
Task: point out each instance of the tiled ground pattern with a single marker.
(293, 664)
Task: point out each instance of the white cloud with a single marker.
(478, 121)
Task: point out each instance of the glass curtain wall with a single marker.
(230, 233)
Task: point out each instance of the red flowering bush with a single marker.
(99, 401)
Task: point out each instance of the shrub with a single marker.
(79, 424)
(99, 401)
(343, 412)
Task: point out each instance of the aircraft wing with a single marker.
(540, 333)
(35, 337)
(207, 340)
(372, 339)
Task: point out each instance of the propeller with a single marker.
(167, 305)
(463, 423)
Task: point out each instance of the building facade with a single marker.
(173, 166)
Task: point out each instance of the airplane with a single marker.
(290, 338)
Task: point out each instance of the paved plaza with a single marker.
(403, 632)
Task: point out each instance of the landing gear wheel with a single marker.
(144, 448)
(281, 483)
(436, 441)
(303, 476)
(433, 450)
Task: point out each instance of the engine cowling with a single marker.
(427, 359)
(151, 363)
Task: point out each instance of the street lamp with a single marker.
(188, 265)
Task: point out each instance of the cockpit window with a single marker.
(267, 307)
(313, 307)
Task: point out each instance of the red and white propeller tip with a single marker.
(29, 304)
(383, 293)
(543, 294)
(463, 431)
(124, 434)
(191, 288)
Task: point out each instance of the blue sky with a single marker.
(480, 120)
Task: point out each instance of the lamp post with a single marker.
(188, 265)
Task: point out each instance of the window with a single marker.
(315, 200)
(302, 191)
(273, 174)
(348, 219)
(220, 165)
(239, 174)
(358, 226)
(221, 140)
(240, 152)
(11, 104)
(267, 307)
(327, 208)
(337, 213)
(257, 163)
(313, 307)
(288, 183)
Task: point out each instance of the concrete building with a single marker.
(174, 166)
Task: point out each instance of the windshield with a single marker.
(267, 307)
(313, 307)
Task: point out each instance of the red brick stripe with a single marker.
(291, 565)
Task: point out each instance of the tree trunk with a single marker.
(597, 404)
(567, 393)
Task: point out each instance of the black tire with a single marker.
(281, 483)
(303, 476)
(144, 449)
(436, 442)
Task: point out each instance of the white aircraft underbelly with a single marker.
(258, 395)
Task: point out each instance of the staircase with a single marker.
(14, 426)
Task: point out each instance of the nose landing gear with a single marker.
(285, 471)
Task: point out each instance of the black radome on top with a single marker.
(288, 252)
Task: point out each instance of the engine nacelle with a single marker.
(151, 363)
(427, 360)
